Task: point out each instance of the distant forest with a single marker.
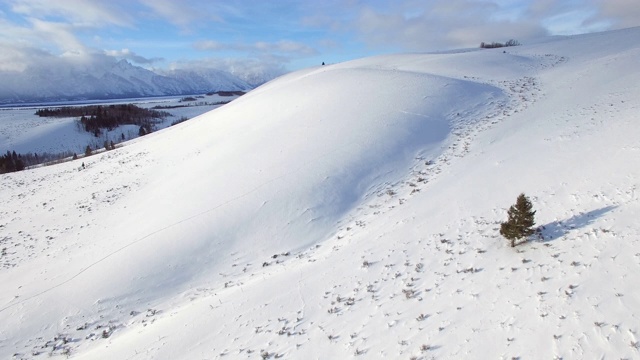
(95, 118)
(11, 162)
(228, 93)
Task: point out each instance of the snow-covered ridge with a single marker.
(349, 211)
(120, 80)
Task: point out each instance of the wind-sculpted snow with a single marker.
(347, 211)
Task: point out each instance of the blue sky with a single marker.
(278, 36)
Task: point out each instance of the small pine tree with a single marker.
(520, 222)
(87, 151)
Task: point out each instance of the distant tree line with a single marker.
(494, 45)
(181, 120)
(226, 93)
(12, 161)
(95, 118)
(199, 103)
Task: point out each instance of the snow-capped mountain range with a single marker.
(118, 80)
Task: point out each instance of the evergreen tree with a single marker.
(19, 163)
(7, 165)
(520, 220)
(87, 151)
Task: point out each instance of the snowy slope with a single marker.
(349, 211)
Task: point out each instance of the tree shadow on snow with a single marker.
(557, 229)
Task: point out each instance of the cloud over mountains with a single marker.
(255, 37)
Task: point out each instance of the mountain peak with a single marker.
(120, 79)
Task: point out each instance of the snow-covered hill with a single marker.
(110, 81)
(349, 211)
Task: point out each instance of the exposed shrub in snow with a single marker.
(520, 220)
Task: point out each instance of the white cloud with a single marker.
(441, 24)
(418, 25)
(132, 56)
(622, 13)
(17, 58)
(255, 71)
(85, 13)
(44, 36)
(282, 47)
(180, 13)
(36, 62)
(53, 26)
(57, 33)
(213, 45)
(35, 33)
(286, 47)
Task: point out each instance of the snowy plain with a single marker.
(24, 132)
(349, 211)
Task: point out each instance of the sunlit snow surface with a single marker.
(349, 211)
